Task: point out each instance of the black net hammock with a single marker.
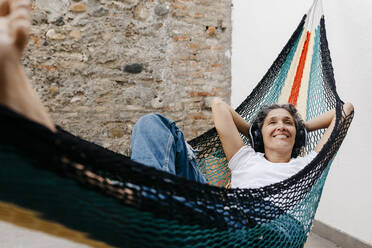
(66, 186)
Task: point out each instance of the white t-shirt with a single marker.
(250, 169)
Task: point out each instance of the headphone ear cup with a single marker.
(259, 141)
(301, 137)
(256, 138)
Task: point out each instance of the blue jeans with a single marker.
(158, 142)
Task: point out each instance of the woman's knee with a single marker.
(146, 121)
(150, 123)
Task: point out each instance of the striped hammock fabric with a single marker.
(295, 77)
(62, 185)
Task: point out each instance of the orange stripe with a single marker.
(300, 69)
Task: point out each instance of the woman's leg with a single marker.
(158, 142)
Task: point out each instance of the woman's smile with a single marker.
(281, 136)
(279, 130)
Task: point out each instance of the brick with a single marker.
(218, 89)
(216, 48)
(46, 67)
(78, 8)
(178, 14)
(194, 45)
(35, 39)
(198, 15)
(166, 109)
(198, 75)
(181, 38)
(202, 93)
(179, 6)
(212, 31)
(197, 116)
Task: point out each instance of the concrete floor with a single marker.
(315, 241)
(12, 236)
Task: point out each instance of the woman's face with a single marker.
(279, 131)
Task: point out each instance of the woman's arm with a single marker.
(228, 124)
(326, 120)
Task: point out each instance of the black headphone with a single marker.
(257, 143)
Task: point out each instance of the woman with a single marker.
(277, 136)
(156, 140)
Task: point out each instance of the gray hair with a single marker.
(299, 123)
(261, 115)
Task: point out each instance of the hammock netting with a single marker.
(107, 197)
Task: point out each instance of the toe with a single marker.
(20, 22)
(15, 5)
(4, 7)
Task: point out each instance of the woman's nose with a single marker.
(280, 126)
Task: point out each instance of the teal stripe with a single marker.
(315, 94)
(316, 102)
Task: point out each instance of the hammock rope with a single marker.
(90, 189)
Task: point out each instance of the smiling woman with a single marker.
(286, 115)
(276, 135)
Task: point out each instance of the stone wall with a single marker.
(99, 65)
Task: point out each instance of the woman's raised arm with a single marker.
(228, 124)
(326, 120)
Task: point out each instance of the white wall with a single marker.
(261, 28)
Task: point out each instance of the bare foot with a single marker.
(15, 90)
